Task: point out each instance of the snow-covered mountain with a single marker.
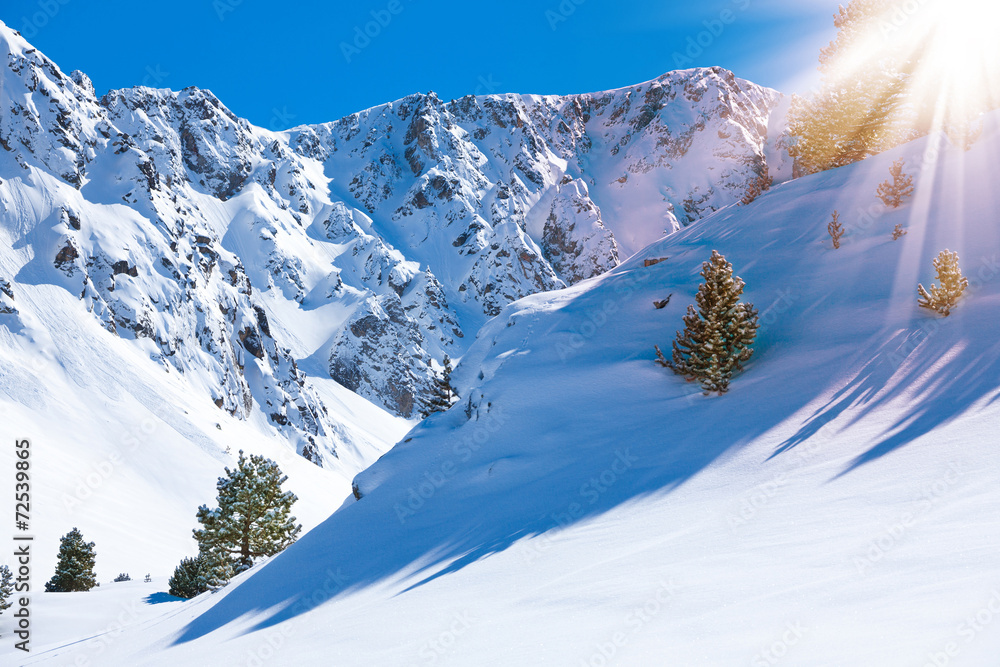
(364, 249)
(584, 506)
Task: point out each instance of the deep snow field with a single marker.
(582, 505)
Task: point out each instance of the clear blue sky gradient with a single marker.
(284, 64)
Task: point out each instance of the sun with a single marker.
(955, 55)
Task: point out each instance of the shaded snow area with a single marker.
(583, 506)
(177, 284)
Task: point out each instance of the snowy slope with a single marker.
(135, 353)
(583, 506)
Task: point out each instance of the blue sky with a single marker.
(282, 64)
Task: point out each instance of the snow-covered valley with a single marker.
(581, 505)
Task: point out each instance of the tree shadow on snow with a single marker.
(524, 466)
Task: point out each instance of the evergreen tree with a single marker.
(758, 186)
(835, 229)
(892, 193)
(858, 110)
(183, 583)
(898, 232)
(443, 394)
(717, 338)
(75, 567)
(253, 518)
(942, 299)
(6, 587)
(205, 572)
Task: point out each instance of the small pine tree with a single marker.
(758, 186)
(444, 395)
(205, 572)
(122, 577)
(183, 583)
(717, 338)
(148, 578)
(835, 230)
(6, 588)
(75, 567)
(942, 299)
(898, 232)
(892, 193)
(253, 519)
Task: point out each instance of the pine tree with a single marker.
(205, 572)
(183, 583)
(758, 186)
(443, 395)
(892, 193)
(857, 111)
(717, 338)
(253, 518)
(835, 229)
(75, 567)
(6, 588)
(898, 232)
(942, 299)
(215, 569)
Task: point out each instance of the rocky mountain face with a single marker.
(364, 249)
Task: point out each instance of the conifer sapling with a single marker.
(835, 229)
(758, 186)
(717, 337)
(892, 193)
(443, 395)
(943, 298)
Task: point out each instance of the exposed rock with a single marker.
(575, 240)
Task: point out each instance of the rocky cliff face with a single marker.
(368, 247)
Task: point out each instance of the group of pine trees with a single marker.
(253, 520)
(893, 192)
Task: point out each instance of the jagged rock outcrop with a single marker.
(379, 355)
(374, 243)
(575, 240)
